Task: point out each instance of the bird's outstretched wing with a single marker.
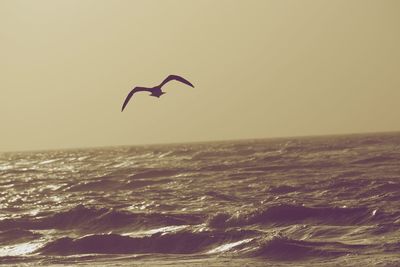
(177, 78)
(134, 90)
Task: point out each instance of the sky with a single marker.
(261, 68)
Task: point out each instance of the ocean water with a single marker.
(320, 201)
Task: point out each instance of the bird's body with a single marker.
(156, 90)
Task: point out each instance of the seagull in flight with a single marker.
(156, 90)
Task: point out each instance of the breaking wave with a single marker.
(285, 214)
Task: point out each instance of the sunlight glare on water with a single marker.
(320, 200)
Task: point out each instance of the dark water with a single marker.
(299, 202)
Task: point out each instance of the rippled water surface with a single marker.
(282, 202)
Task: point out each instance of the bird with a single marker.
(156, 90)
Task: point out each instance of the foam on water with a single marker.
(299, 201)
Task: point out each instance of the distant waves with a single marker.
(298, 201)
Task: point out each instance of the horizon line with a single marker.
(200, 141)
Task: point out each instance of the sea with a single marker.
(304, 201)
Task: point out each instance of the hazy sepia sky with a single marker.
(261, 69)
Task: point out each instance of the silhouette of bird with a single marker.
(156, 90)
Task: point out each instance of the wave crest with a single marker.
(184, 242)
(282, 248)
(291, 214)
(99, 219)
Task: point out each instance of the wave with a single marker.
(284, 214)
(95, 219)
(138, 183)
(155, 173)
(376, 159)
(245, 243)
(277, 247)
(171, 243)
(281, 189)
(391, 247)
(222, 196)
(102, 185)
(282, 248)
(106, 185)
(21, 171)
(14, 236)
(292, 166)
(209, 154)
